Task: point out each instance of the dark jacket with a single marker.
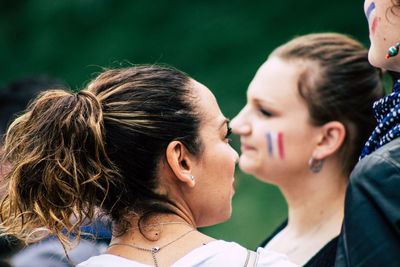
(371, 228)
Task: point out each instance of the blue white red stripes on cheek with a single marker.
(275, 145)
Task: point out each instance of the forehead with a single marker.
(276, 79)
(383, 5)
(369, 7)
(207, 105)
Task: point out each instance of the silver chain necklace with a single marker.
(156, 249)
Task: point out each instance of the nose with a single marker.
(239, 124)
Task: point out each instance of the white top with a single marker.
(216, 253)
(50, 253)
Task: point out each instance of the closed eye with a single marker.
(265, 112)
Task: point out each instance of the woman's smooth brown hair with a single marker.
(99, 148)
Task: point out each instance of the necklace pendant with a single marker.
(155, 249)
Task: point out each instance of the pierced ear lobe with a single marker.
(180, 161)
(192, 179)
(333, 134)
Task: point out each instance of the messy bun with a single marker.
(60, 167)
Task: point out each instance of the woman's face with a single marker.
(384, 32)
(276, 134)
(214, 172)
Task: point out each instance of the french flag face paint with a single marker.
(275, 144)
(371, 17)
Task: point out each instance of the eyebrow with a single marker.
(370, 9)
(262, 102)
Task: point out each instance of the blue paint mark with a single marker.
(370, 9)
(269, 143)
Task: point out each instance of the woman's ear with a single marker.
(180, 162)
(332, 137)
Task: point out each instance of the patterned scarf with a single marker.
(387, 113)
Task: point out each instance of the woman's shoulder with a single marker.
(375, 180)
(50, 252)
(106, 260)
(223, 253)
(326, 256)
(274, 233)
(270, 258)
(215, 253)
(380, 165)
(371, 227)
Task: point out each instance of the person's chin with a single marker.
(246, 164)
(373, 58)
(226, 215)
(223, 216)
(379, 60)
(386, 64)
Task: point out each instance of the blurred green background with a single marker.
(219, 43)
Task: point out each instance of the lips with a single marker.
(245, 147)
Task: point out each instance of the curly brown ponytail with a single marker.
(59, 166)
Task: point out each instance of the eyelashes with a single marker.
(264, 112)
(228, 132)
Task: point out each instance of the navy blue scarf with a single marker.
(387, 113)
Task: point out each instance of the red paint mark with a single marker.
(280, 146)
(373, 27)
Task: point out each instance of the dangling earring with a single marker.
(393, 50)
(315, 165)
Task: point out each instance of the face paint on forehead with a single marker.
(275, 145)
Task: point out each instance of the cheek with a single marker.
(374, 24)
(223, 160)
(229, 163)
(288, 145)
(383, 35)
(373, 55)
(275, 144)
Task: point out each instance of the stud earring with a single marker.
(192, 178)
(393, 50)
